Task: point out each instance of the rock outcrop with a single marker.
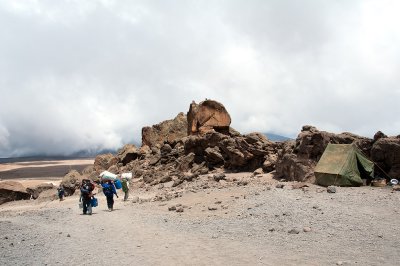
(385, 153)
(104, 162)
(207, 116)
(128, 153)
(236, 153)
(297, 160)
(181, 149)
(195, 155)
(37, 190)
(167, 131)
(71, 182)
(12, 190)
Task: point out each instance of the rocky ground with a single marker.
(231, 222)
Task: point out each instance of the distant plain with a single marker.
(42, 168)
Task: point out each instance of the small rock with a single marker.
(339, 263)
(210, 208)
(68, 235)
(243, 183)
(172, 208)
(279, 185)
(218, 177)
(331, 189)
(179, 209)
(218, 202)
(306, 229)
(271, 229)
(258, 171)
(294, 231)
(135, 200)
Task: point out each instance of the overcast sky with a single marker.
(77, 75)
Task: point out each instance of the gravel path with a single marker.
(229, 225)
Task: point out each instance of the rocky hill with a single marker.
(202, 142)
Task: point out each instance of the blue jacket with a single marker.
(109, 189)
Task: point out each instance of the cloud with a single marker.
(82, 75)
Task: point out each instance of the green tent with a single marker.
(343, 165)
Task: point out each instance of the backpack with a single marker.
(86, 189)
(108, 191)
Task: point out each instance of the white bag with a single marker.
(127, 176)
(108, 175)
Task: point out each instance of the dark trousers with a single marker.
(87, 206)
(126, 194)
(110, 201)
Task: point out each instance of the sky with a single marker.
(88, 75)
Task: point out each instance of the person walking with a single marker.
(86, 195)
(109, 191)
(125, 188)
(61, 192)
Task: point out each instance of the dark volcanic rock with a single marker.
(71, 182)
(35, 191)
(168, 131)
(247, 152)
(385, 153)
(296, 160)
(185, 147)
(128, 153)
(12, 190)
(104, 162)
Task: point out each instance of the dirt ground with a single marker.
(226, 223)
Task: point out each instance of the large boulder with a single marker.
(37, 190)
(385, 153)
(128, 153)
(168, 131)
(71, 182)
(104, 162)
(48, 195)
(12, 190)
(207, 116)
